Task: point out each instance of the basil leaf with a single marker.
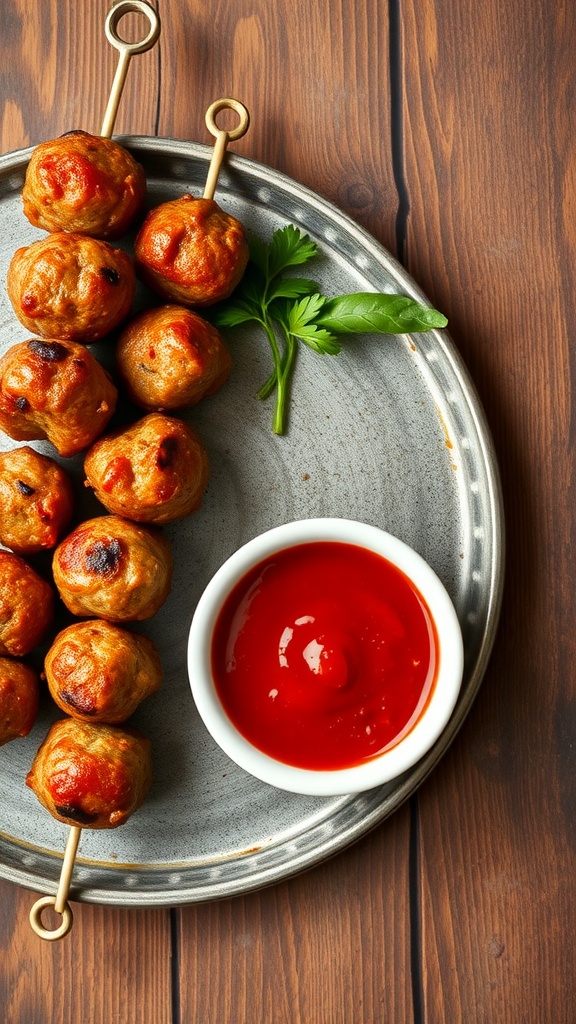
(378, 313)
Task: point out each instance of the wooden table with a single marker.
(446, 130)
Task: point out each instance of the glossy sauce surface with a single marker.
(324, 655)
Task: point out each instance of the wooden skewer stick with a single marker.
(222, 138)
(127, 51)
(60, 901)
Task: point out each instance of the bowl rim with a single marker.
(383, 767)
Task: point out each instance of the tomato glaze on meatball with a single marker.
(171, 358)
(190, 251)
(36, 501)
(54, 390)
(154, 471)
(85, 184)
(94, 776)
(26, 606)
(19, 699)
(69, 286)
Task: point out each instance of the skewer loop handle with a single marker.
(50, 933)
(127, 51)
(136, 7)
(223, 137)
(228, 104)
(60, 901)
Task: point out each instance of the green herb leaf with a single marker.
(234, 313)
(378, 313)
(289, 248)
(318, 339)
(301, 313)
(292, 309)
(297, 319)
(291, 288)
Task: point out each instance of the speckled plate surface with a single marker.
(390, 432)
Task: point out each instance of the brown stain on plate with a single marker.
(447, 439)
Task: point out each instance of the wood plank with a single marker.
(315, 78)
(330, 946)
(489, 165)
(113, 966)
(57, 71)
(333, 945)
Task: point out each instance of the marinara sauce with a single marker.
(324, 655)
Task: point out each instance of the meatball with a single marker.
(154, 471)
(83, 183)
(70, 286)
(36, 501)
(94, 776)
(113, 569)
(170, 358)
(191, 251)
(97, 672)
(19, 699)
(54, 390)
(26, 606)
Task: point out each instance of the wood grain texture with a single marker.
(113, 967)
(315, 77)
(461, 907)
(489, 167)
(330, 946)
(56, 71)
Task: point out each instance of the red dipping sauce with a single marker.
(324, 655)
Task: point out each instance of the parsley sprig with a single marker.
(292, 309)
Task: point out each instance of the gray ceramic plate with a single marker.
(391, 433)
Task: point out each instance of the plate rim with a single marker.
(15, 161)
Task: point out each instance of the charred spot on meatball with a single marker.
(78, 702)
(110, 275)
(50, 351)
(167, 452)
(25, 489)
(75, 813)
(104, 557)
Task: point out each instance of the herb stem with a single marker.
(269, 386)
(278, 425)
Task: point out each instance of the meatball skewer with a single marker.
(190, 250)
(88, 776)
(142, 756)
(86, 183)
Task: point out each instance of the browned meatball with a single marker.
(191, 251)
(170, 358)
(97, 672)
(54, 390)
(26, 606)
(36, 501)
(19, 699)
(71, 286)
(113, 569)
(94, 776)
(83, 183)
(154, 471)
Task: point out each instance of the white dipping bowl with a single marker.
(382, 767)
